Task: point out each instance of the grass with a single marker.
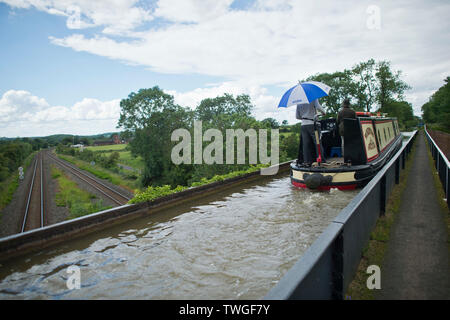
(9, 186)
(125, 156)
(101, 172)
(112, 147)
(127, 159)
(374, 252)
(69, 195)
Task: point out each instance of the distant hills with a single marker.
(67, 138)
(59, 137)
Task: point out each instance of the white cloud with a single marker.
(118, 16)
(283, 41)
(16, 104)
(265, 105)
(274, 42)
(23, 114)
(191, 11)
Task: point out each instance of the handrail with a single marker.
(442, 165)
(437, 148)
(326, 269)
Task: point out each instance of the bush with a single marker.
(151, 193)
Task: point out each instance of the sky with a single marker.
(66, 64)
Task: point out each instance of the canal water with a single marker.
(236, 244)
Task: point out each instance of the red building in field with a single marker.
(115, 140)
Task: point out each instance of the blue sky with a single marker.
(62, 75)
(66, 64)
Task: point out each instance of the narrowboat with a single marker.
(370, 142)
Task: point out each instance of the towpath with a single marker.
(416, 265)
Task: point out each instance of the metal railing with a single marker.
(328, 266)
(441, 163)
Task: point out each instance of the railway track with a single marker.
(114, 195)
(33, 216)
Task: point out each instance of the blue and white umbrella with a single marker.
(303, 93)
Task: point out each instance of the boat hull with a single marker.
(321, 178)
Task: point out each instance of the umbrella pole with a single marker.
(319, 151)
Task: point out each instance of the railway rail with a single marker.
(114, 195)
(33, 216)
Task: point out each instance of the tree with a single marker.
(271, 123)
(289, 147)
(437, 109)
(403, 111)
(342, 87)
(366, 83)
(390, 87)
(150, 116)
(222, 113)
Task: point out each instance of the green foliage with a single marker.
(88, 155)
(403, 111)
(437, 110)
(289, 147)
(151, 192)
(12, 155)
(150, 116)
(10, 184)
(390, 87)
(225, 112)
(342, 86)
(101, 172)
(78, 201)
(271, 123)
(369, 85)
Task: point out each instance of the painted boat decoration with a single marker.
(370, 142)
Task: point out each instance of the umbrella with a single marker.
(304, 92)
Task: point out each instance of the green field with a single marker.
(112, 147)
(127, 159)
(125, 156)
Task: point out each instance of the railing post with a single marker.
(403, 160)
(437, 161)
(397, 171)
(338, 267)
(447, 192)
(383, 195)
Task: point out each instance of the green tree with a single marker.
(390, 87)
(366, 83)
(271, 123)
(437, 110)
(342, 86)
(150, 116)
(225, 111)
(289, 147)
(403, 111)
(222, 113)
